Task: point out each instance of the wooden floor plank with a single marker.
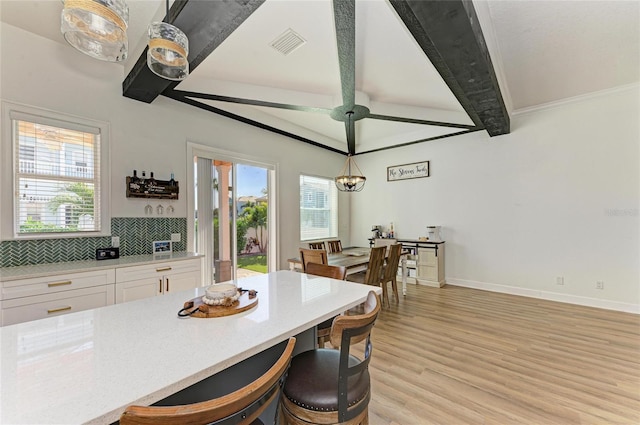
(457, 355)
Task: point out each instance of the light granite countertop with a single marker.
(86, 367)
(39, 270)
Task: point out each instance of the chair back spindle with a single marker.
(317, 245)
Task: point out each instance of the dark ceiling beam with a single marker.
(206, 24)
(449, 33)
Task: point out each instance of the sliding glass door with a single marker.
(232, 216)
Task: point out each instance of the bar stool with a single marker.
(329, 386)
(241, 407)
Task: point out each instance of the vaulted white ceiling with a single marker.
(542, 51)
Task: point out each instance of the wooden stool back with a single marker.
(323, 330)
(240, 407)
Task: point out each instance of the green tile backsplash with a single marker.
(136, 235)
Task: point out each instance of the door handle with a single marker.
(160, 286)
(167, 284)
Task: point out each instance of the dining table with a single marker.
(88, 366)
(355, 259)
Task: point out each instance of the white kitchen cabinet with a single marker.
(150, 280)
(39, 297)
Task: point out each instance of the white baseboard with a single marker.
(545, 295)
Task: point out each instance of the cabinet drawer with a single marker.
(156, 270)
(41, 306)
(427, 257)
(53, 284)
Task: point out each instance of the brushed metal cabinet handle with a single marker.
(57, 310)
(167, 284)
(66, 282)
(164, 269)
(160, 285)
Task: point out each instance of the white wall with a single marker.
(152, 137)
(558, 196)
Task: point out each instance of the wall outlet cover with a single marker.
(175, 237)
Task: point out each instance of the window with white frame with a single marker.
(59, 176)
(318, 208)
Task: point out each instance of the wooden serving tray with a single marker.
(244, 303)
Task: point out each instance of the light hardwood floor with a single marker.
(455, 355)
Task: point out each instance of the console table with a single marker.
(428, 257)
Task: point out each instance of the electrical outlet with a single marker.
(599, 284)
(175, 237)
(115, 241)
(559, 280)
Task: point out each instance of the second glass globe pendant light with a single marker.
(168, 50)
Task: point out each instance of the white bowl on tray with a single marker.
(219, 291)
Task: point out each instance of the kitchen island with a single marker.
(86, 367)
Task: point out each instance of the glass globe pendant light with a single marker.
(97, 28)
(168, 51)
(348, 182)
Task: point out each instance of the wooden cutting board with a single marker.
(244, 303)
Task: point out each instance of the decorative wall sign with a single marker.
(159, 189)
(408, 171)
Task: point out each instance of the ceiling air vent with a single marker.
(287, 42)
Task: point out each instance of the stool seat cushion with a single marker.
(312, 382)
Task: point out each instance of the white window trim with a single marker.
(197, 149)
(7, 172)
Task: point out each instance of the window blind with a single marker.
(318, 208)
(57, 176)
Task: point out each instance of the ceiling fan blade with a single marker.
(418, 121)
(252, 102)
(345, 19)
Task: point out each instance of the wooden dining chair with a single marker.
(374, 268)
(332, 386)
(307, 256)
(323, 330)
(325, 270)
(390, 272)
(242, 407)
(334, 246)
(317, 245)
